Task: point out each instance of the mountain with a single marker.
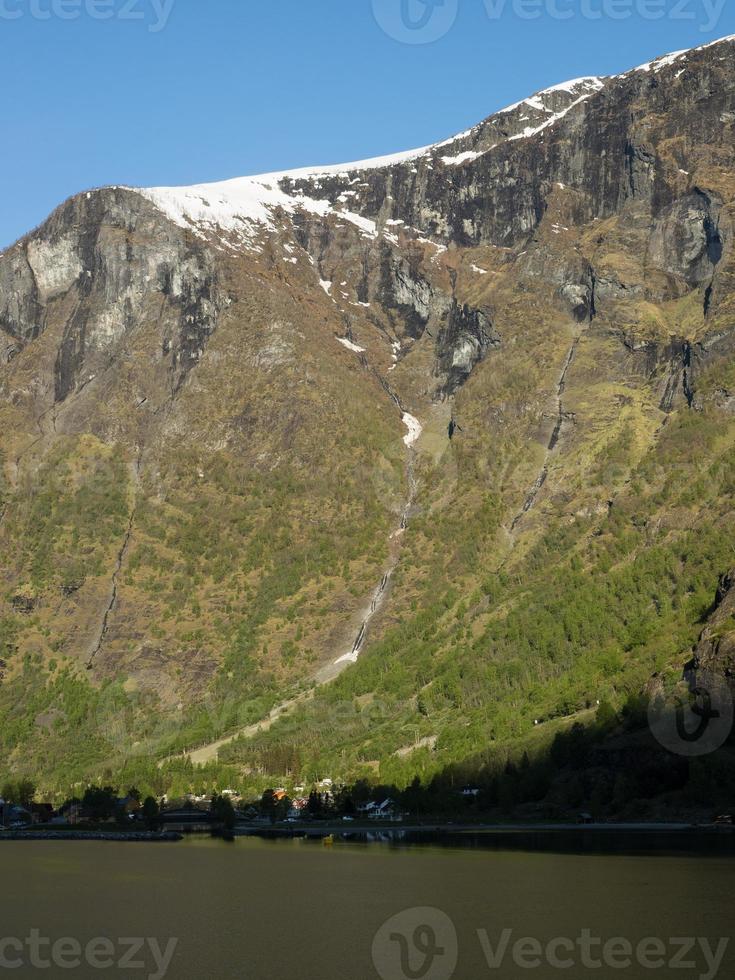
(372, 467)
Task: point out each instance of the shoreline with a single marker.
(562, 838)
(136, 837)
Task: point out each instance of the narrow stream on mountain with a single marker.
(331, 670)
(553, 443)
(414, 431)
(122, 553)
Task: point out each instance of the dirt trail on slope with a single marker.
(330, 671)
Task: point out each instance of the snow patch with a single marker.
(245, 206)
(350, 346)
(457, 138)
(534, 130)
(366, 225)
(414, 429)
(669, 59)
(241, 207)
(590, 84)
(428, 241)
(589, 81)
(662, 62)
(461, 158)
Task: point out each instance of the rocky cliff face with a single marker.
(612, 152)
(203, 390)
(715, 652)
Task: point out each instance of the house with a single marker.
(203, 798)
(470, 792)
(127, 807)
(42, 813)
(189, 820)
(386, 810)
(298, 809)
(12, 816)
(71, 813)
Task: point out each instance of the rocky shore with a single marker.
(139, 836)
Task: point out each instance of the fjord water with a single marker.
(267, 910)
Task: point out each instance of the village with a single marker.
(195, 813)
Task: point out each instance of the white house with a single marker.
(381, 811)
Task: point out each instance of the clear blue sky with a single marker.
(230, 87)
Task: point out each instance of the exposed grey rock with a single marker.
(463, 342)
(689, 238)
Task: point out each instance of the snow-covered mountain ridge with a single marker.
(244, 206)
